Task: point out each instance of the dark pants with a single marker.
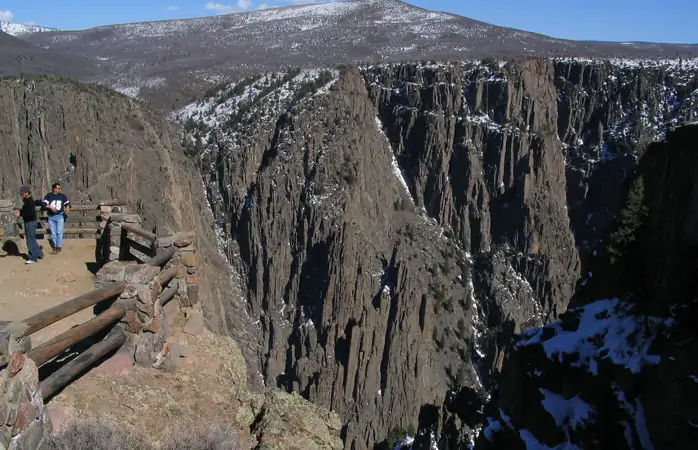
(35, 251)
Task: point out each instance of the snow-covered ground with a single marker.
(607, 331)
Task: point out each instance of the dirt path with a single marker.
(28, 289)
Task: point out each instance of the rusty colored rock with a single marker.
(16, 363)
(27, 413)
(184, 239)
(145, 294)
(193, 294)
(129, 292)
(156, 325)
(146, 310)
(29, 375)
(189, 259)
(145, 349)
(133, 325)
(114, 270)
(141, 274)
(192, 279)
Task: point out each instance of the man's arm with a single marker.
(47, 205)
(66, 203)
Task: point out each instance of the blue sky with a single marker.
(617, 20)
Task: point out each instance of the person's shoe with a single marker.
(29, 261)
(54, 251)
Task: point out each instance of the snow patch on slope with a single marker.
(607, 330)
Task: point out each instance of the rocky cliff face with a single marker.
(393, 228)
(619, 373)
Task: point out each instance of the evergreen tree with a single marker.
(630, 219)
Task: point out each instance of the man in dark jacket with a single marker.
(28, 213)
(56, 204)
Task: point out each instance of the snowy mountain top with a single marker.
(18, 29)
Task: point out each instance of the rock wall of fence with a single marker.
(8, 226)
(162, 283)
(26, 423)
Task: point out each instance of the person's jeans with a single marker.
(35, 251)
(56, 223)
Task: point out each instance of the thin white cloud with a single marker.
(263, 6)
(220, 8)
(172, 8)
(6, 16)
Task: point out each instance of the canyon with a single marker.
(477, 250)
(395, 227)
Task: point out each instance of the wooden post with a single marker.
(114, 202)
(168, 294)
(166, 275)
(162, 258)
(47, 351)
(72, 369)
(135, 229)
(58, 312)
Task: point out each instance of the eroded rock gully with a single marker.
(394, 227)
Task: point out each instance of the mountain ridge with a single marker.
(158, 61)
(19, 29)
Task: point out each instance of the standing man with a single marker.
(57, 205)
(28, 213)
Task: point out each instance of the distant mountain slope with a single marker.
(18, 56)
(18, 29)
(321, 34)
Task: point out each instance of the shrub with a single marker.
(207, 437)
(90, 435)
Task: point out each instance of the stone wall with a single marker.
(26, 423)
(8, 226)
(152, 302)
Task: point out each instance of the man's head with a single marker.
(24, 191)
(56, 188)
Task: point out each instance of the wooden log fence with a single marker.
(162, 257)
(58, 312)
(138, 320)
(63, 376)
(171, 278)
(47, 351)
(88, 223)
(138, 231)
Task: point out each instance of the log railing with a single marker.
(54, 347)
(90, 220)
(138, 300)
(58, 312)
(72, 369)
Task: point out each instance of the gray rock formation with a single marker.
(395, 227)
(618, 373)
